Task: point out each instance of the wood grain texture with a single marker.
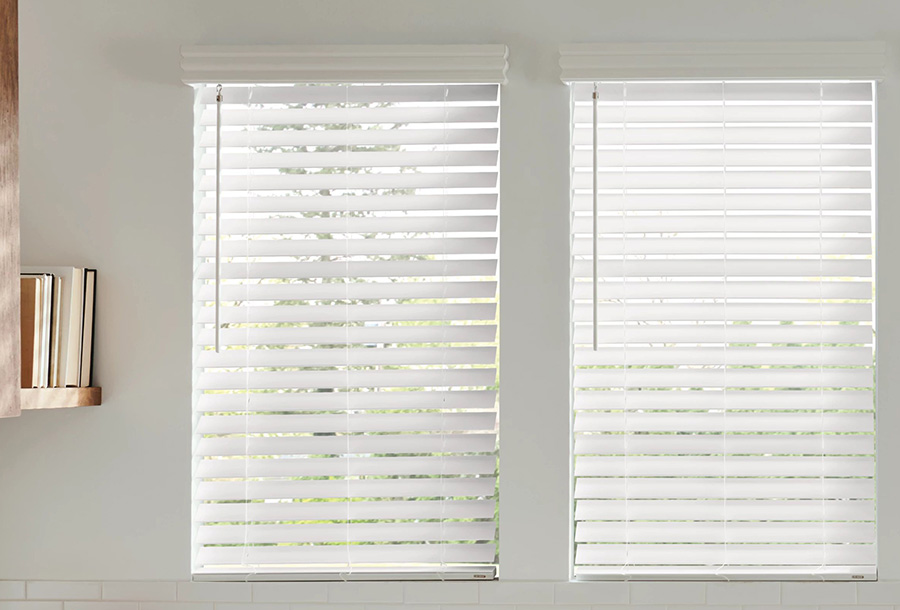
(10, 371)
(60, 398)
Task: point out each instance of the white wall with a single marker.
(104, 493)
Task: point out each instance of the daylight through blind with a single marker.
(348, 424)
(724, 426)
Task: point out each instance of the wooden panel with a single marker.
(60, 398)
(10, 373)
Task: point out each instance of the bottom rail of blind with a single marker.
(362, 574)
(792, 573)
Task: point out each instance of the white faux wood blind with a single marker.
(724, 426)
(348, 424)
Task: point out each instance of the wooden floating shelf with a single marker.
(60, 398)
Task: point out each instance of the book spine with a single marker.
(76, 321)
(87, 338)
(56, 326)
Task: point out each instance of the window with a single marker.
(347, 425)
(724, 410)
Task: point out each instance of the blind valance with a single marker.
(321, 64)
(722, 60)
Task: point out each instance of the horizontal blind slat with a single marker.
(736, 533)
(713, 466)
(339, 445)
(360, 532)
(718, 444)
(758, 400)
(347, 335)
(446, 377)
(350, 137)
(715, 246)
(238, 247)
(341, 401)
(715, 510)
(722, 201)
(726, 488)
(213, 468)
(306, 291)
(319, 160)
(718, 223)
(374, 488)
(340, 116)
(728, 422)
(808, 356)
(351, 224)
(712, 555)
(351, 313)
(337, 269)
(342, 511)
(734, 333)
(357, 203)
(354, 356)
(730, 311)
(399, 422)
(347, 555)
(770, 288)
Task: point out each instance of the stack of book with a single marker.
(57, 326)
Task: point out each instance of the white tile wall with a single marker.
(593, 593)
(742, 593)
(816, 593)
(140, 591)
(668, 593)
(755, 607)
(95, 605)
(290, 592)
(559, 607)
(497, 595)
(480, 607)
(62, 590)
(366, 592)
(214, 592)
(12, 589)
(878, 593)
(252, 606)
(30, 605)
(440, 593)
(519, 593)
(177, 606)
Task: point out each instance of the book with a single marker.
(87, 332)
(76, 317)
(30, 325)
(43, 319)
(56, 317)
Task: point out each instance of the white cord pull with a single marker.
(594, 234)
(218, 195)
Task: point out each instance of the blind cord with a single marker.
(218, 197)
(594, 216)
